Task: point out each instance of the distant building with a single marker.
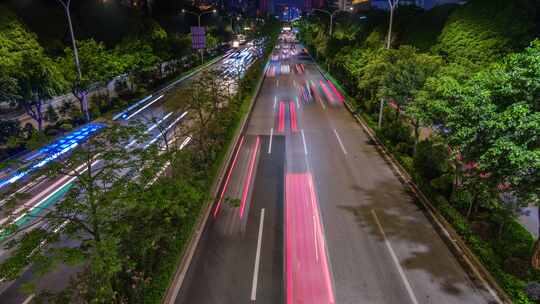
(425, 4)
(342, 5)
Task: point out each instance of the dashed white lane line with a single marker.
(340, 142)
(271, 136)
(304, 141)
(277, 83)
(30, 298)
(395, 259)
(146, 106)
(257, 259)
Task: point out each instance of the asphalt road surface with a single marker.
(312, 213)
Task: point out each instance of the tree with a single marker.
(484, 31)
(8, 86)
(98, 65)
(39, 80)
(9, 129)
(208, 105)
(492, 120)
(94, 211)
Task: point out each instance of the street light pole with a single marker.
(392, 5)
(84, 103)
(75, 52)
(199, 15)
(331, 27)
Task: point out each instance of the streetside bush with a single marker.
(431, 159)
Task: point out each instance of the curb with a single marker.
(474, 268)
(189, 251)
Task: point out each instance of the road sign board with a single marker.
(198, 39)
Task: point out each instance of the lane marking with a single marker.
(164, 131)
(271, 136)
(304, 141)
(340, 142)
(30, 298)
(395, 259)
(297, 103)
(275, 102)
(257, 259)
(277, 83)
(151, 128)
(146, 106)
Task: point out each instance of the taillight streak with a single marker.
(247, 181)
(336, 91)
(281, 125)
(326, 91)
(307, 272)
(294, 124)
(218, 205)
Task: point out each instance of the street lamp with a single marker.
(199, 15)
(66, 4)
(331, 14)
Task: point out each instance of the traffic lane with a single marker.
(363, 190)
(56, 280)
(361, 272)
(222, 269)
(430, 267)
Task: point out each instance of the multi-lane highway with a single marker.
(44, 192)
(318, 215)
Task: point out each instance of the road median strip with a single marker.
(189, 250)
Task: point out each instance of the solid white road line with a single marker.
(275, 102)
(257, 259)
(304, 141)
(340, 142)
(271, 136)
(146, 106)
(30, 298)
(395, 259)
(297, 103)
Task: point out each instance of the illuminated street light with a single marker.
(331, 14)
(199, 15)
